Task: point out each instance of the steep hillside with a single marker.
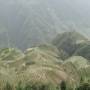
(69, 42)
(10, 54)
(79, 67)
(77, 61)
(40, 65)
(41, 55)
(84, 51)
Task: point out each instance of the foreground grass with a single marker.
(62, 86)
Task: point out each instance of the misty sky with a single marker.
(16, 14)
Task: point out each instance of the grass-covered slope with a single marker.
(44, 65)
(41, 65)
(43, 53)
(10, 54)
(77, 61)
(79, 68)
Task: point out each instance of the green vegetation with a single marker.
(42, 68)
(83, 86)
(10, 54)
(68, 42)
(84, 51)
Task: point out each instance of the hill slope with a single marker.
(84, 51)
(68, 41)
(10, 54)
(38, 65)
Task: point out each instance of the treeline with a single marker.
(62, 86)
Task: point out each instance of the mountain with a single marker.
(84, 51)
(28, 23)
(69, 42)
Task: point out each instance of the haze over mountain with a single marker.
(27, 23)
